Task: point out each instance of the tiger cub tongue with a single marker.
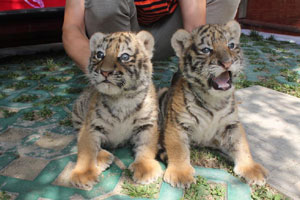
(222, 80)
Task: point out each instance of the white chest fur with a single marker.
(118, 120)
(208, 122)
(120, 133)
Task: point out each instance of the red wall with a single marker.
(275, 11)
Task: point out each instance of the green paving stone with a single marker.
(167, 192)
(236, 190)
(6, 158)
(125, 155)
(26, 168)
(109, 179)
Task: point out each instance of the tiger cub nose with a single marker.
(226, 64)
(106, 73)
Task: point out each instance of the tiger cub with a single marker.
(200, 108)
(119, 107)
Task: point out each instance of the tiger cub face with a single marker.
(120, 62)
(210, 56)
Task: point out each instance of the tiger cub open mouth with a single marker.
(222, 82)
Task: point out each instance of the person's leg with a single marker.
(221, 11)
(109, 16)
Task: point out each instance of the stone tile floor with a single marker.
(38, 143)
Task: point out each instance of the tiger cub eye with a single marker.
(124, 57)
(99, 55)
(231, 45)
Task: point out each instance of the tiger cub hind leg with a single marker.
(245, 166)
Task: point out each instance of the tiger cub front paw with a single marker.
(145, 171)
(253, 173)
(104, 159)
(180, 176)
(84, 179)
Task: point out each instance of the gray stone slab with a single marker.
(272, 122)
(14, 135)
(26, 168)
(54, 141)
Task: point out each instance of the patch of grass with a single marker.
(10, 75)
(271, 83)
(140, 191)
(244, 38)
(18, 85)
(243, 83)
(255, 35)
(251, 53)
(58, 79)
(45, 113)
(4, 67)
(66, 122)
(73, 70)
(211, 158)
(25, 98)
(280, 59)
(30, 116)
(260, 43)
(35, 76)
(202, 189)
(50, 65)
(2, 95)
(25, 67)
(48, 87)
(257, 62)
(7, 113)
(42, 114)
(291, 76)
(4, 196)
(268, 50)
(261, 69)
(73, 90)
(265, 193)
(285, 88)
(57, 101)
(271, 38)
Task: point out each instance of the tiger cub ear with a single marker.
(147, 40)
(94, 40)
(235, 28)
(180, 39)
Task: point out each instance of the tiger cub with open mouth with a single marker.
(119, 107)
(200, 108)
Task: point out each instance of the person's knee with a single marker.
(108, 15)
(221, 11)
(230, 6)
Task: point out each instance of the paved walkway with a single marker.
(272, 123)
